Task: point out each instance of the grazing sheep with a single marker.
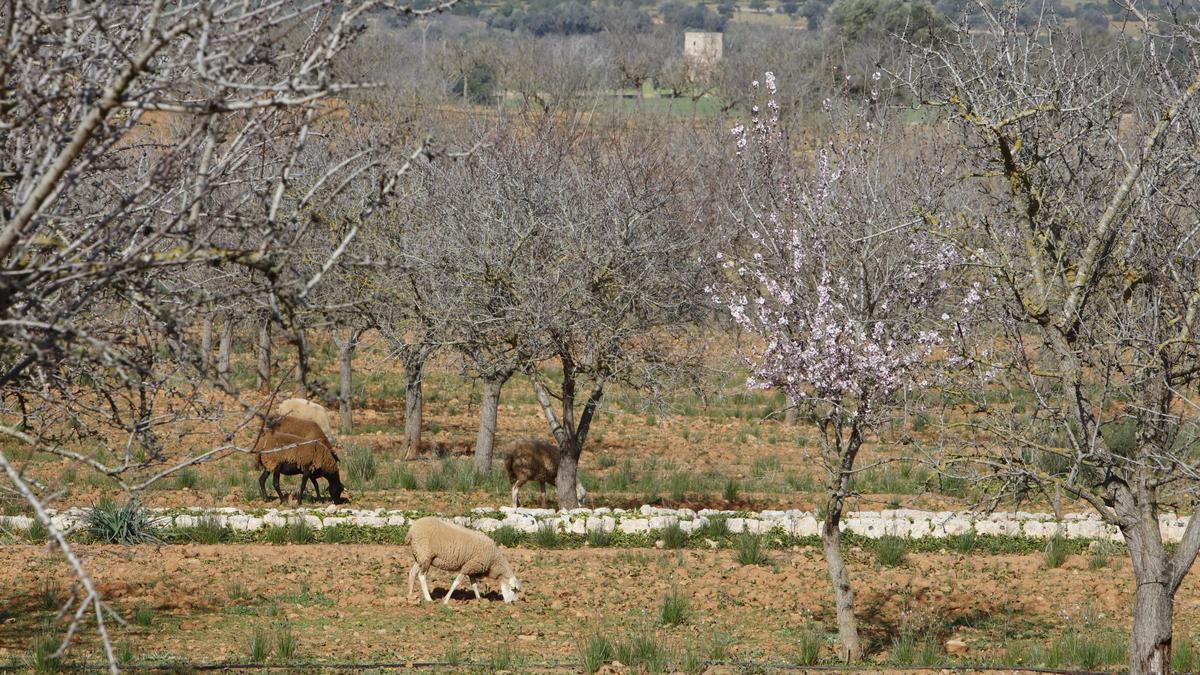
(313, 412)
(532, 460)
(454, 548)
(292, 446)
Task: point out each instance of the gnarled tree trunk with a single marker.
(346, 350)
(263, 369)
(226, 345)
(570, 434)
(206, 336)
(843, 594)
(413, 404)
(568, 473)
(1154, 599)
(486, 440)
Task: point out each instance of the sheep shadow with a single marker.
(439, 595)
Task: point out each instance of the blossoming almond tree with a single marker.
(840, 275)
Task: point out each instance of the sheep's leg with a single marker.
(262, 485)
(316, 487)
(453, 585)
(278, 490)
(303, 483)
(516, 489)
(475, 587)
(412, 579)
(543, 494)
(425, 588)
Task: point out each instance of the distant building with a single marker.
(703, 47)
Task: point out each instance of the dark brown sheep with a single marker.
(531, 460)
(292, 446)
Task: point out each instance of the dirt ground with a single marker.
(349, 602)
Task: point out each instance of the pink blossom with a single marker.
(822, 333)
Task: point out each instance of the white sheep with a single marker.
(308, 410)
(454, 548)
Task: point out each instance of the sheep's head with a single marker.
(510, 586)
(336, 489)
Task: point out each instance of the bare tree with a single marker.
(618, 236)
(1084, 236)
(638, 57)
(554, 73)
(140, 142)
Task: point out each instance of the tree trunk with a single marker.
(413, 404)
(206, 335)
(226, 345)
(263, 370)
(302, 361)
(1150, 642)
(791, 414)
(568, 472)
(485, 442)
(346, 382)
(843, 594)
(1154, 600)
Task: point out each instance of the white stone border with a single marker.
(906, 523)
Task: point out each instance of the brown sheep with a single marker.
(313, 412)
(291, 446)
(532, 460)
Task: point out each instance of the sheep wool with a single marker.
(305, 451)
(308, 410)
(454, 548)
(533, 461)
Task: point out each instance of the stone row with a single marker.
(906, 523)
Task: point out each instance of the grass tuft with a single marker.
(751, 549)
(124, 653)
(41, 657)
(731, 491)
(673, 536)
(808, 651)
(143, 615)
(598, 537)
(503, 658)
(595, 653)
(1056, 551)
(128, 523)
(891, 550)
(208, 530)
(674, 610)
(547, 536)
(186, 479)
(285, 643)
(1102, 551)
(715, 528)
(642, 653)
(260, 646)
(506, 535)
(1184, 658)
(360, 465)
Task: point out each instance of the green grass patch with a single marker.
(127, 523)
(673, 536)
(674, 608)
(548, 536)
(751, 549)
(1056, 551)
(891, 550)
(596, 652)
